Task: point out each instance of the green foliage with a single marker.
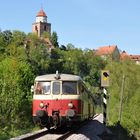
(18, 38)
(46, 35)
(5, 40)
(15, 97)
(7, 37)
(54, 40)
(22, 57)
(33, 38)
(55, 62)
(39, 58)
(70, 46)
(131, 97)
(2, 49)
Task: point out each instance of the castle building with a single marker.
(41, 25)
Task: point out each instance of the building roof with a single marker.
(124, 56)
(135, 57)
(41, 13)
(105, 50)
(64, 77)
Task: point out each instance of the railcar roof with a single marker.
(64, 77)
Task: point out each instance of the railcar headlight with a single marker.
(41, 105)
(70, 105)
(70, 113)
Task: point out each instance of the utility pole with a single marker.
(121, 99)
(108, 111)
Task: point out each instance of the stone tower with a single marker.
(41, 24)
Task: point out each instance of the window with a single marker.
(69, 88)
(45, 28)
(56, 88)
(46, 87)
(43, 88)
(36, 28)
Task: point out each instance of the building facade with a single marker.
(135, 58)
(111, 52)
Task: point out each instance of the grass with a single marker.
(7, 133)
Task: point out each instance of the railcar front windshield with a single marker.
(43, 88)
(56, 88)
(69, 87)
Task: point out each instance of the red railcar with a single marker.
(60, 99)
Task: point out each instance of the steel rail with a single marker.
(42, 132)
(31, 136)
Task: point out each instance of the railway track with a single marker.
(56, 134)
(53, 134)
(31, 136)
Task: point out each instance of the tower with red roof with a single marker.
(41, 25)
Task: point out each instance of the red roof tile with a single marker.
(135, 57)
(41, 13)
(124, 56)
(105, 50)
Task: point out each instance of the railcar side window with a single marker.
(56, 88)
(69, 87)
(43, 88)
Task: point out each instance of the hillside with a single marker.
(130, 115)
(20, 63)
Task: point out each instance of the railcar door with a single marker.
(56, 96)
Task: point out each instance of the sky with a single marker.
(84, 23)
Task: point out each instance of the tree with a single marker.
(54, 40)
(34, 39)
(70, 46)
(94, 66)
(16, 80)
(7, 37)
(2, 44)
(5, 40)
(39, 58)
(131, 97)
(46, 35)
(18, 38)
(63, 47)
